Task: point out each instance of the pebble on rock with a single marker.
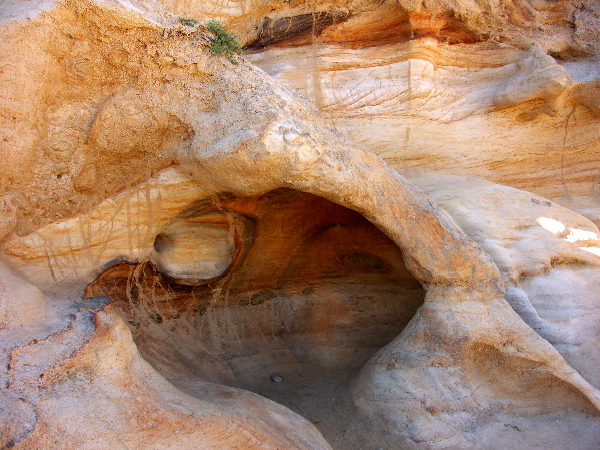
(276, 378)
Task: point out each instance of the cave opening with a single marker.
(286, 295)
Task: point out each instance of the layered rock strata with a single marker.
(174, 223)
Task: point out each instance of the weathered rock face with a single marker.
(489, 110)
(547, 255)
(502, 90)
(453, 87)
(178, 230)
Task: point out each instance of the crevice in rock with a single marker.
(384, 25)
(288, 29)
(317, 291)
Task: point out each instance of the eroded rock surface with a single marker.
(179, 230)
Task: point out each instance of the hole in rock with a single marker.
(286, 295)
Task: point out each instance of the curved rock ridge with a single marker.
(119, 400)
(547, 256)
(139, 167)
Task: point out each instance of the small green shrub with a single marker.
(223, 43)
(188, 21)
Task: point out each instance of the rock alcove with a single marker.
(285, 294)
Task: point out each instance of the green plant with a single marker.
(187, 21)
(223, 43)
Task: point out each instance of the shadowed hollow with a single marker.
(313, 290)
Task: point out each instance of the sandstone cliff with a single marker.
(376, 229)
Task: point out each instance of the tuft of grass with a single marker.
(187, 21)
(223, 43)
